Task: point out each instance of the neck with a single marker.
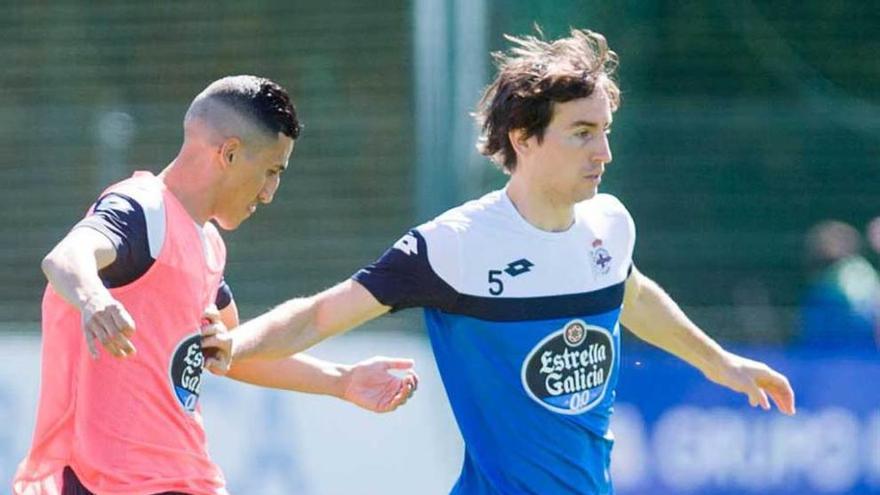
(184, 180)
(539, 207)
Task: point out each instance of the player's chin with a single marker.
(585, 194)
(230, 223)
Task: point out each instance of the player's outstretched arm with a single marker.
(378, 384)
(72, 270)
(294, 326)
(654, 317)
(371, 384)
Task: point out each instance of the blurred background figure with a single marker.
(872, 232)
(841, 305)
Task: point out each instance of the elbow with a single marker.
(50, 264)
(58, 262)
(319, 327)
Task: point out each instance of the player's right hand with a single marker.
(216, 343)
(374, 385)
(105, 320)
(756, 380)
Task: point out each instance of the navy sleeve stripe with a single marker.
(539, 308)
(224, 295)
(403, 278)
(121, 219)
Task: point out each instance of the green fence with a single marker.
(742, 125)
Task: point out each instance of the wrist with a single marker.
(92, 300)
(343, 381)
(234, 347)
(717, 363)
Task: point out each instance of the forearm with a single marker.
(299, 373)
(287, 329)
(298, 324)
(654, 317)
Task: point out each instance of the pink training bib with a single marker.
(132, 426)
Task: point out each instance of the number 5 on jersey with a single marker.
(514, 269)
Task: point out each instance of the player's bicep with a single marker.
(633, 291)
(85, 241)
(118, 226)
(344, 306)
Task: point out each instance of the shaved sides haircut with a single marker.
(255, 109)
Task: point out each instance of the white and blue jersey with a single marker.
(524, 327)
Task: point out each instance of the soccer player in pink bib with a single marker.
(129, 298)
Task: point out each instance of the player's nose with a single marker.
(268, 193)
(603, 154)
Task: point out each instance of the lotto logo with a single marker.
(408, 244)
(518, 267)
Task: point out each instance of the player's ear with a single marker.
(521, 142)
(230, 151)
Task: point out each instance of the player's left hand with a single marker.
(218, 359)
(373, 385)
(757, 381)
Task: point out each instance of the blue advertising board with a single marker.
(677, 432)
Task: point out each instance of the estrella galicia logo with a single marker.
(568, 372)
(186, 371)
(601, 258)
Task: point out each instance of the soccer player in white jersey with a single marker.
(524, 288)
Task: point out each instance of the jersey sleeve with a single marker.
(404, 278)
(121, 219)
(224, 295)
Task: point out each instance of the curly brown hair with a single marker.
(534, 75)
